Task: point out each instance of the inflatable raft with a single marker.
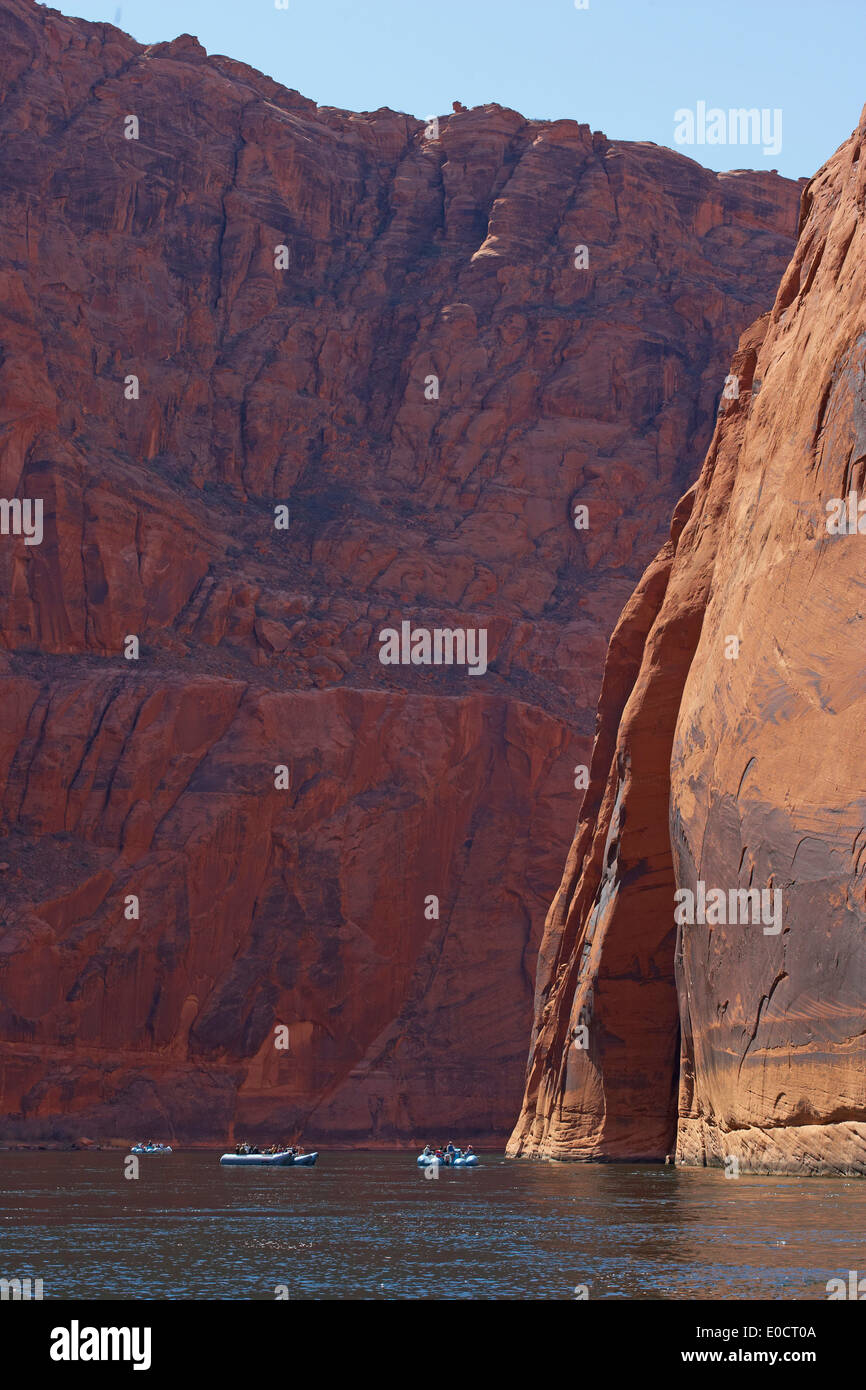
(459, 1160)
(268, 1160)
(151, 1149)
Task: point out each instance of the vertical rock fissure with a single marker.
(605, 1073)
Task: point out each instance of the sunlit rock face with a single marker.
(433, 348)
(702, 980)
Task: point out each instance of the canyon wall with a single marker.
(219, 300)
(726, 758)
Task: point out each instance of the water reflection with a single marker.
(364, 1226)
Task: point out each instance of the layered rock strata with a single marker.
(219, 301)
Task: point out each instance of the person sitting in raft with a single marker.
(468, 1150)
(428, 1152)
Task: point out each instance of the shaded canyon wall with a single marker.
(407, 258)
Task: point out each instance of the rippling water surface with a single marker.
(364, 1226)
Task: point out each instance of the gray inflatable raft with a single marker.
(268, 1160)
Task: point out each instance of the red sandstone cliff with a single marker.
(731, 715)
(409, 257)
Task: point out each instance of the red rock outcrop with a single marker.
(733, 703)
(166, 385)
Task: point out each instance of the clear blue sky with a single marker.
(623, 66)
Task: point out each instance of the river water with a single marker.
(371, 1226)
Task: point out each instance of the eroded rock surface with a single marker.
(409, 258)
(733, 705)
